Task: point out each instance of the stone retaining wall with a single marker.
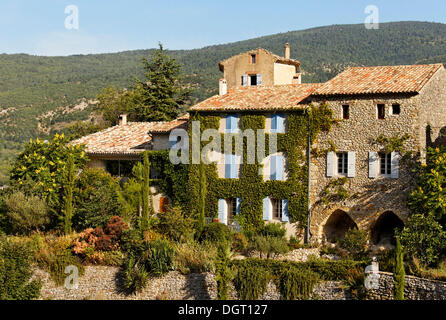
(415, 288)
(102, 283)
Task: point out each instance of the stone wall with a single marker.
(103, 283)
(415, 288)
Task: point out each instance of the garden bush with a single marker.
(269, 247)
(251, 281)
(16, 272)
(216, 233)
(175, 225)
(355, 243)
(194, 257)
(297, 284)
(26, 213)
(273, 230)
(239, 243)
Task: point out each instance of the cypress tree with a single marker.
(203, 193)
(69, 185)
(145, 192)
(398, 272)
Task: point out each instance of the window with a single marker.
(232, 208)
(342, 163)
(381, 111)
(396, 109)
(253, 79)
(277, 209)
(253, 58)
(385, 162)
(345, 112)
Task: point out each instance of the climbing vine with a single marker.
(251, 187)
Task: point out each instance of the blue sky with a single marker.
(38, 27)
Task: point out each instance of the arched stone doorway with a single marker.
(337, 226)
(383, 231)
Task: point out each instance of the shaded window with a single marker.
(253, 58)
(232, 208)
(345, 112)
(381, 111)
(342, 163)
(385, 160)
(253, 79)
(277, 209)
(396, 109)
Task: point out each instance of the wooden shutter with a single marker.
(267, 209)
(285, 216)
(234, 166)
(395, 165)
(228, 123)
(222, 211)
(280, 166)
(280, 123)
(331, 164)
(273, 168)
(239, 205)
(228, 166)
(274, 123)
(351, 170)
(245, 80)
(373, 164)
(259, 79)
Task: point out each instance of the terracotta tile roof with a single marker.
(129, 139)
(258, 98)
(375, 80)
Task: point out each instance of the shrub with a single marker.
(16, 273)
(354, 282)
(216, 233)
(96, 199)
(160, 257)
(239, 243)
(273, 230)
(251, 281)
(26, 213)
(399, 272)
(387, 261)
(55, 255)
(193, 257)
(223, 271)
(355, 242)
(423, 238)
(175, 225)
(296, 284)
(135, 275)
(269, 246)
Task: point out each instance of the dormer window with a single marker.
(251, 80)
(253, 58)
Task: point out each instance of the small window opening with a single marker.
(385, 163)
(277, 209)
(253, 58)
(346, 112)
(342, 163)
(232, 208)
(253, 79)
(396, 109)
(381, 111)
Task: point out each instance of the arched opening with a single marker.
(383, 231)
(337, 226)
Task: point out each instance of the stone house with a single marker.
(369, 102)
(116, 149)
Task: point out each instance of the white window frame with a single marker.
(344, 164)
(387, 165)
(276, 204)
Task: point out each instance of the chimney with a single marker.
(122, 119)
(223, 87)
(287, 51)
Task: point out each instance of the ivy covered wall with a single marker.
(250, 186)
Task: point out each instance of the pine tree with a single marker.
(223, 271)
(398, 272)
(162, 94)
(69, 185)
(203, 194)
(146, 195)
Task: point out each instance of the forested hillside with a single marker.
(40, 94)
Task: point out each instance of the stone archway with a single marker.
(383, 231)
(337, 225)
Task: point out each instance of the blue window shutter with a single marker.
(233, 166)
(273, 168)
(239, 205)
(267, 209)
(221, 210)
(259, 79)
(280, 164)
(228, 123)
(280, 119)
(274, 123)
(285, 216)
(231, 123)
(245, 80)
(234, 123)
(228, 167)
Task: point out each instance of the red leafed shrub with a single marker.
(97, 239)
